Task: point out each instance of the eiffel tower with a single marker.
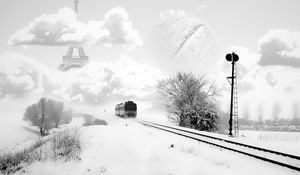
(73, 59)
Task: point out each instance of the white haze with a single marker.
(94, 89)
(97, 82)
(98, 86)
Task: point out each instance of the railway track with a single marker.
(271, 156)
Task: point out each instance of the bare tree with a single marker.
(296, 114)
(55, 111)
(246, 114)
(276, 111)
(32, 114)
(260, 113)
(296, 111)
(189, 101)
(35, 114)
(47, 114)
(66, 116)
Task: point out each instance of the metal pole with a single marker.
(231, 101)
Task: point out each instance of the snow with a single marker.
(127, 147)
(258, 153)
(15, 134)
(286, 142)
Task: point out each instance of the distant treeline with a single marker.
(292, 124)
(271, 125)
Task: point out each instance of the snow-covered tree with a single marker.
(55, 110)
(189, 101)
(35, 114)
(47, 114)
(66, 116)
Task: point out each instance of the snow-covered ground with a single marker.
(287, 142)
(14, 132)
(127, 147)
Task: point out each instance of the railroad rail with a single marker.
(271, 156)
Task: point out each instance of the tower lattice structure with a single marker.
(235, 105)
(71, 59)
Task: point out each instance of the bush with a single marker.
(94, 121)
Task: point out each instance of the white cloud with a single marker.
(19, 75)
(280, 47)
(97, 82)
(116, 21)
(63, 28)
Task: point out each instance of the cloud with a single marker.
(63, 28)
(19, 75)
(96, 83)
(187, 35)
(116, 21)
(280, 47)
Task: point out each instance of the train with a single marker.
(127, 109)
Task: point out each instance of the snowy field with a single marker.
(14, 132)
(126, 147)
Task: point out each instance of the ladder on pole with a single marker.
(235, 105)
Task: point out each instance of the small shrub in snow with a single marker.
(66, 145)
(62, 145)
(94, 121)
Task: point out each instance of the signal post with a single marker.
(233, 58)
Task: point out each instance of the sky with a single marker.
(239, 23)
(133, 43)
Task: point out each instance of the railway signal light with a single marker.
(233, 58)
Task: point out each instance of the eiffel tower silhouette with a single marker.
(71, 59)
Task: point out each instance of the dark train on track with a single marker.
(126, 110)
